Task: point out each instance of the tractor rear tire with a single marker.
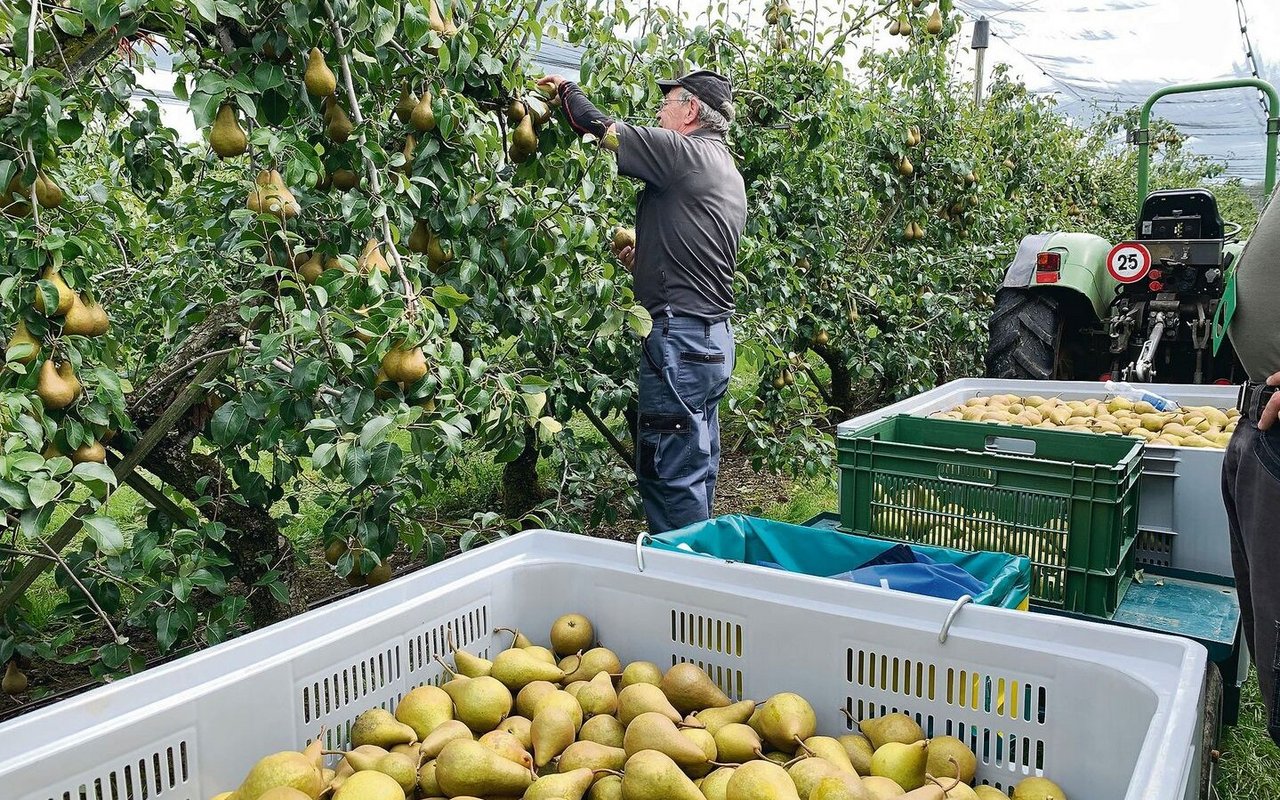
(1026, 336)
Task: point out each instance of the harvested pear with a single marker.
(760, 780)
(786, 719)
(829, 749)
(378, 727)
(703, 739)
(716, 785)
(598, 697)
(567, 785)
(65, 295)
(640, 672)
(737, 743)
(653, 731)
(895, 727)
(552, 733)
(807, 773)
(288, 768)
(427, 784)
(882, 788)
(481, 702)
(604, 730)
(689, 688)
(859, 749)
(539, 652)
(1037, 788)
(507, 746)
(469, 768)
(519, 727)
(319, 79)
(835, 787)
(641, 697)
(951, 758)
(405, 105)
(590, 664)
(424, 709)
(515, 667)
(716, 718)
(592, 755)
(472, 666)
(282, 793)
(985, 792)
(226, 137)
(22, 346)
(422, 117)
(529, 696)
(959, 791)
(564, 701)
(652, 775)
(369, 785)
(54, 389)
(14, 682)
(623, 238)
(607, 788)
(904, 764)
(444, 733)
(572, 633)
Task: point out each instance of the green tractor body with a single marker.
(1074, 306)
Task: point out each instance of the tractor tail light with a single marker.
(1048, 265)
(1156, 286)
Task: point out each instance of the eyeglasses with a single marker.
(666, 100)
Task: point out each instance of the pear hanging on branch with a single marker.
(269, 195)
(406, 104)
(318, 78)
(422, 117)
(226, 137)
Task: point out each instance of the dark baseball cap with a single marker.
(710, 87)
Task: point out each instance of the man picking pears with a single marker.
(689, 223)
(1251, 467)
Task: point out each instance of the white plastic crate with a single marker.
(1182, 521)
(1107, 712)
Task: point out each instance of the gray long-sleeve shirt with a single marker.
(690, 216)
(1255, 327)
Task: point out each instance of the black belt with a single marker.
(1253, 398)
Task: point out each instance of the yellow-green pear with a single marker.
(951, 758)
(807, 773)
(226, 137)
(532, 692)
(1037, 788)
(567, 785)
(564, 701)
(288, 768)
(469, 768)
(882, 788)
(652, 775)
(319, 79)
(369, 785)
(481, 702)
(55, 391)
(737, 743)
(572, 633)
(653, 731)
(405, 105)
(552, 733)
(424, 709)
(592, 755)
(895, 727)
(604, 730)
(716, 785)
(377, 726)
(638, 698)
(589, 664)
(608, 787)
(472, 666)
(904, 764)
(859, 749)
(47, 193)
(22, 346)
(598, 696)
(702, 739)
(442, 734)
(689, 688)
(519, 727)
(422, 117)
(516, 667)
(985, 792)
(761, 780)
(829, 749)
(508, 746)
(640, 672)
(65, 295)
(716, 718)
(427, 784)
(837, 787)
(785, 720)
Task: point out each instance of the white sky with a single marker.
(1088, 53)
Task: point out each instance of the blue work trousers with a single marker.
(683, 376)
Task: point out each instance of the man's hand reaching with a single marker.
(1272, 411)
(627, 256)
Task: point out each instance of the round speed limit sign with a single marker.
(1129, 262)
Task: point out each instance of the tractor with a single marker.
(1073, 306)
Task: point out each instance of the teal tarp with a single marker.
(827, 553)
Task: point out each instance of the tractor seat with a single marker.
(1180, 214)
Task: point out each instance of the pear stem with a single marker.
(803, 746)
(955, 781)
(692, 722)
(795, 760)
(852, 721)
(446, 666)
(448, 633)
(515, 633)
(612, 772)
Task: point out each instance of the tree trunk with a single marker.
(252, 532)
(841, 378)
(521, 489)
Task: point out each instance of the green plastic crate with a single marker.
(1066, 500)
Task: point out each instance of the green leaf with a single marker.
(374, 431)
(548, 427)
(206, 9)
(14, 495)
(105, 533)
(384, 463)
(229, 423)
(90, 471)
(355, 468)
(449, 297)
(639, 320)
(43, 490)
(534, 403)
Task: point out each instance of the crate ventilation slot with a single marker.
(349, 685)
(424, 646)
(706, 633)
(1001, 696)
(159, 774)
(1020, 754)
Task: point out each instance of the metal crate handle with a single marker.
(640, 550)
(951, 615)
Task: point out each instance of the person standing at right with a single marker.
(1251, 468)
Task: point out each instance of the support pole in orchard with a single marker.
(981, 36)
